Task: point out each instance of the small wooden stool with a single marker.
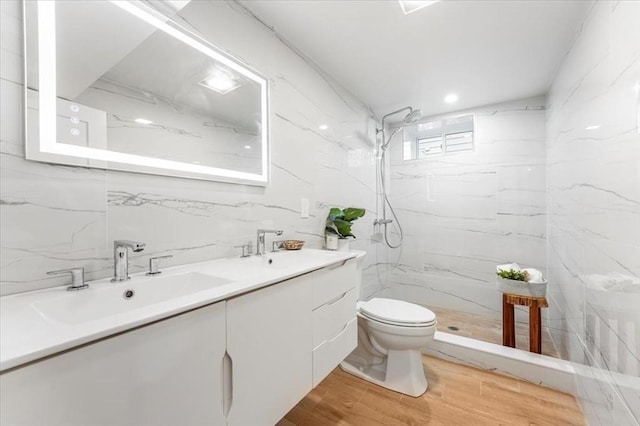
(535, 318)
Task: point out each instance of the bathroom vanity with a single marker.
(241, 352)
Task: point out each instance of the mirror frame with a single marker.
(43, 146)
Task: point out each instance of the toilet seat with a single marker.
(397, 312)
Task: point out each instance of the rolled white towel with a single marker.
(535, 276)
(613, 282)
(508, 267)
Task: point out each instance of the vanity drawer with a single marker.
(330, 318)
(328, 355)
(333, 281)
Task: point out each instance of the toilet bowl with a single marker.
(391, 336)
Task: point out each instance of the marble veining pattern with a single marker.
(525, 195)
(464, 213)
(593, 196)
(55, 217)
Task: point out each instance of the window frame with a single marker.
(414, 143)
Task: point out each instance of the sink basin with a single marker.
(289, 258)
(108, 299)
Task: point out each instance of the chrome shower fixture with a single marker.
(412, 116)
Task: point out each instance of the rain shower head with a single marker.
(412, 117)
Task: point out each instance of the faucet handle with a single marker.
(77, 278)
(247, 249)
(154, 263)
(275, 246)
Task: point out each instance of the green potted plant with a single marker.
(511, 279)
(338, 227)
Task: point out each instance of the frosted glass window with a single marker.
(438, 137)
(459, 142)
(429, 146)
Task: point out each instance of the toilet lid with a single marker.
(397, 311)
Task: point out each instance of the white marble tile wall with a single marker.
(465, 212)
(54, 217)
(594, 211)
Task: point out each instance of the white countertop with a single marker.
(26, 334)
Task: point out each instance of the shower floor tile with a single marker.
(488, 329)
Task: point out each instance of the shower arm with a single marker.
(384, 144)
(393, 113)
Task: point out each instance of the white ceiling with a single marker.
(484, 51)
(166, 67)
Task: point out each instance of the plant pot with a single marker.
(343, 244)
(522, 288)
(331, 242)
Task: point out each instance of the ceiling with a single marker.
(484, 51)
(165, 67)
(97, 41)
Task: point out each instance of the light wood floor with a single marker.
(487, 329)
(457, 395)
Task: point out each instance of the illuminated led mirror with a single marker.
(119, 85)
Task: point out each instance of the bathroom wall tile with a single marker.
(52, 217)
(11, 115)
(466, 212)
(594, 211)
(57, 216)
(11, 68)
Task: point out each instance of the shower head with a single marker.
(412, 117)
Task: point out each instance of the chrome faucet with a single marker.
(121, 258)
(260, 239)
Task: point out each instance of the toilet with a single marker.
(391, 336)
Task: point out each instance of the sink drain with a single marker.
(128, 294)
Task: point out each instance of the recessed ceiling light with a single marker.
(409, 6)
(323, 127)
(220, 81)
(143, 121)
(451, 98)
(247, 147)
(595, 126)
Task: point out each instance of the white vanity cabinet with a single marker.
(335, 327)
(269, 343)
(243, 361)
(164, 373)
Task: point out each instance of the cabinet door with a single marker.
(165, 373)
(269, 340)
